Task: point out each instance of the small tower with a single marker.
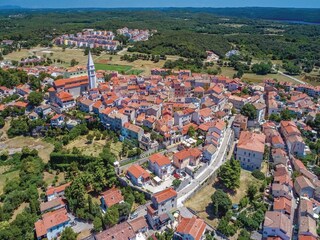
(91, 72)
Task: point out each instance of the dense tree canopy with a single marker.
(35, 98)
(229, 174)
(249, 111)
(221, 203)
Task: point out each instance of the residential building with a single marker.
(111, 197)
(239, 124)
(160, 165)
(250, 150)
(292, 137)
(132, 131)
(52, 205)
(52, 224)
(277, 224)
(281, 190)
(303, 187)
(158, 213)
(55, 192)
(190, 229)
(182, 159)
(138, 175)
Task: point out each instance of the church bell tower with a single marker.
(91, 72)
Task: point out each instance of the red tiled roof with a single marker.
(67, 82)
(61, 188)
(160, 159)
(50, 220)
(185, 153)
(137, 171)
(193, 226)
(112, 196)
(251, 141)
(165, 195)
(20, 104)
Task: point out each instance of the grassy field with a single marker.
(94, 148)
(112, 67)
(49, 178)
(66, 56)
(7, 176)
(17, 143)
(18, 211)
(201, 201)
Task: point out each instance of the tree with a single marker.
(229, 174)
(286, 115)
(275, 117)
(243, 202)
(244, 235)
(251, 192)
(124, 209)
(68, 234)
(191, 131)
(73, 62)
(2, 122)
(97, 224)
(176, 183)
(258, 174)
(225, 228)
(90, 138)
(262, 68)
(249, 111)
(111, 217)
(35, 98)
(291, 68)
(221, 203)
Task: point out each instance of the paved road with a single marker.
(214, 166)
(293, 78)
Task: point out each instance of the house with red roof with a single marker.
(138, 175)
(52, 224)
(186, 157)
(160, 165)
(190, 228)
(65, 100)
(111, 197)
(57, 120)
(55, 192)
(250, 150)
(163, 202)
(132, 131)
(292, 137)
(277, 224)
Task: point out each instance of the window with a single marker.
(249, 154)
(244, 153)
(240, 158)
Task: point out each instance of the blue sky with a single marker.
(161, 3)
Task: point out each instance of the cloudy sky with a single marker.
(160, 3)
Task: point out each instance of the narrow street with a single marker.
(213, 167)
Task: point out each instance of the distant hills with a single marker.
(311, 15)
(9, 7)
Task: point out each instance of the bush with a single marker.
(258, 174)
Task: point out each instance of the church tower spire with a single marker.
(91, 72)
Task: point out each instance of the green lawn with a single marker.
(112, 67)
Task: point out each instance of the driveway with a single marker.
(79, 225)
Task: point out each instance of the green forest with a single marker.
(186, 32)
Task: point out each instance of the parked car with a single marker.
(133, 215)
